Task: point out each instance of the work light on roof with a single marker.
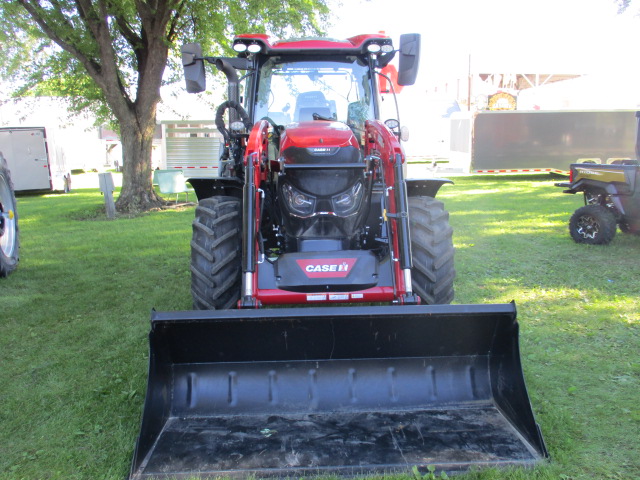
(387, 48)
(240, 47)
(373, 48)
(254, 48)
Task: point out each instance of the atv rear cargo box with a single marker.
(342, 390)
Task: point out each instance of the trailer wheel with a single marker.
(9, 244)
(432, 250)
(592, 224)
(216, 253)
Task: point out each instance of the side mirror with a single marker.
(193, 66)
(404, 133)
(409, 58)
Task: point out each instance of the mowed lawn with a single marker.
(74, 320)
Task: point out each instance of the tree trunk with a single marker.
(137, 192)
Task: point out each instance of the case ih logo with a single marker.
(327, 267)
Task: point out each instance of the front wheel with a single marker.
(432, 250)
(9, 244)
(216, 254)
(593, 225)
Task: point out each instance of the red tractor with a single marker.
(312, 208)
(335, 220)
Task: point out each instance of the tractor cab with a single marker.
(291, 82)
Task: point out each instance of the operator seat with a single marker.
(309, 103)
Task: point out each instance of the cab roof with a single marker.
(355, 45)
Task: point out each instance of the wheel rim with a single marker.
(7, 219)
(588, 227)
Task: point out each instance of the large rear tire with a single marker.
(433, 269)
(593, 225)
(216, 254)
(9, 238)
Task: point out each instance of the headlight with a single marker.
(299, 203)
(373, 48)
(236, 127)
(347, 203)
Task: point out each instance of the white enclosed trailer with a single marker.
(192, 146)
(34, 160)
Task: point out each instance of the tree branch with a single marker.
(58, 9)
(85, 8)
(37, 14)
(96, 23)
(146, 14)
(127, 32)
(173, 24)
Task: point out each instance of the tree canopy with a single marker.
(110, 56)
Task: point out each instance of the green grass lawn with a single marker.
(74, 319)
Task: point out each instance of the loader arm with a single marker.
(256, 169)
(381, 143)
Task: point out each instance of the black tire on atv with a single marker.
(593, 225)
(630, 229)
(432, 249)
(216, 254)
(9, 238)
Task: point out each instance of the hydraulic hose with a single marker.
(219, 118)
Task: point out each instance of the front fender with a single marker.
(617, 193)
(425, 187)
(217, 186)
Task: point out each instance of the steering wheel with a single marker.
(219, 119)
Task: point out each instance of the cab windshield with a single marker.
(293, 91)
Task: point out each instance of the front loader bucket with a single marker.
(336, 390)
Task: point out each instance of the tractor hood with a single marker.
(319, 141)
(323, 185)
